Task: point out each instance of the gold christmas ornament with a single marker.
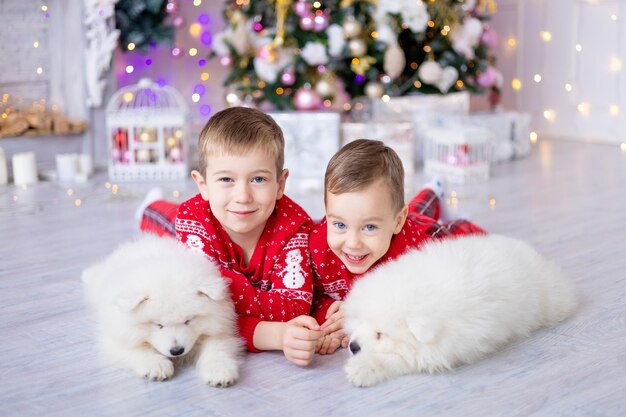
(357, 47)
(325, 88)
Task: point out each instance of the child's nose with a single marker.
(243, 193)
(353, 240)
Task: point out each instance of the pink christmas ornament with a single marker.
(487, 78)
(320, 22)
(226, 61)
(288, 78)
(172, 7)
(178, 21)
(489, 37)
(302, 8)
(307, 23)
(307, 99)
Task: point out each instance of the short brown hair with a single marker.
(361, 163)
(240, 129)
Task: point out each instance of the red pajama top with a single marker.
(277, 282)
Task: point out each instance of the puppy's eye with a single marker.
(160, 326)
(378, 335)
(187, 322)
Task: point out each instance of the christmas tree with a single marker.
(142, 23)
(308, 54)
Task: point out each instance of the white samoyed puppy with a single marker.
(159, 302)
(450, 303)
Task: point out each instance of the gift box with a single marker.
(399, 136)
(311, 139)
(462, 154)
(423, 110)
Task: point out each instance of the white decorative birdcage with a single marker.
(147, 127)
(461, 154)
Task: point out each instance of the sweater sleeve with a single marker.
(321, 304)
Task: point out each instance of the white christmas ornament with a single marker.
(336, 41)
(394, 61)
(374, 90)
(430, 72)
(325, 88)
(357, 47)
(449, 75)
(351, 27)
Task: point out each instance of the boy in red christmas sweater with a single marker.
(367, 223)
(258, 236)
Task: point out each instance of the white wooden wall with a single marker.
(582, 92)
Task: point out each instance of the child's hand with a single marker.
(334, 320)
(327, 345)
(300, 338)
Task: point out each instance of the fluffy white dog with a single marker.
(449, 304)
(159, 302)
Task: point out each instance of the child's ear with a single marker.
(282, 181)
(201, 184)
(400, 219)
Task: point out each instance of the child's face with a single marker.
(361, 225)
(242, 191)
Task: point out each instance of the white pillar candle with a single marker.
(24, 168)
(4, 178)
(67, 166)
(85, 164)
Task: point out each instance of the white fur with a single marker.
(157, 281)
(450, 303)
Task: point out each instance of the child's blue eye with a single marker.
(339, 225)
(370, 227)
(258, 180)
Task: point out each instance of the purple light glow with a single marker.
(257, 27)
(206, 38)
(161, 82)
(359, 79)
(205, 110)
(148, 62)
(204, 19)
(202, 62)
(199, 89)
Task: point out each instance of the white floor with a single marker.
(568, 199)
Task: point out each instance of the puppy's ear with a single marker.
(425, 329)
(129, 302)
(215, 289)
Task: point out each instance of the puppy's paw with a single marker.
(222, 374)
(157, 368)
(363, 374)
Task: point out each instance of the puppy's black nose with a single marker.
(354, 347)
(177, 350)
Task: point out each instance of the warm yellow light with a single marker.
(114, 188)
(176, 193)
(128, 97)
(374, 34)
(70, 192)
(317, 4)
(579, 47)
(418, 84)
(427, 48)
(130, 46)
(568, 87)
(623, 146)
(614, 17)
(4, 115)
(77, 202)
(280, 91)
(130, 69)
(195, 97)
(36, 44)
(178, 134)
(546, 36)
(197, 2)
(15, 198)
(459, 83)
(533, 137)
(204, 76)
(195, 29)
(193, 52)
(44, 8)
(583, 108)
(516, 84)
(386, 98)
(107, 185)
(39, 70)
(537, 78)
(512, 42)
(171, 142)
(614, 110)
(431, 24)
(492, 202)
(548, 114)
(616, 64)
(347, 107)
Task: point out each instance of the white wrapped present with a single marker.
(311, 139)
(424, 110)
(399, 136)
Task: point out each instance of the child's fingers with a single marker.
(306, 321)
(333, 327)
(334, 308)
